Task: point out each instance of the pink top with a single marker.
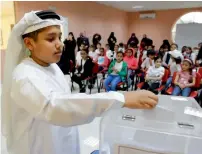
(185, 77)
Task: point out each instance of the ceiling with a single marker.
(150, 5)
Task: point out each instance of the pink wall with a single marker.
(83, 16)
(159, 28)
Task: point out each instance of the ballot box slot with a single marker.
(185, 125)
(128, 117)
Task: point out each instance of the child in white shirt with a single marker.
(109, 53)
(149, 61)
(78, 55)
(92, 53)
(98, 48)
(154, 75)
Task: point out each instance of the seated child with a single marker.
(154, 75)
(98, 48)
(185, 79)
(131, 62)
(116, 49)
(102, 60)
(121, 47)
(175, 66)
(117, 72)
(84, 67)
(78, 54)
(109, 53)
(149, 61)
(92, 53)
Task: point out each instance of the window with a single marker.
(192, 17)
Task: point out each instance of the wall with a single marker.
(159, 28)
(83, 16)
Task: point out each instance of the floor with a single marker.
(89, 133)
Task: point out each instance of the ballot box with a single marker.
(167, 129)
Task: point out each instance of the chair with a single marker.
(71, 72)
(89, 79)
(163, 81)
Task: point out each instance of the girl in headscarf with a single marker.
(112, 41)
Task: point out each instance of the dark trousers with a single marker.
(78, 79)
(151, 87)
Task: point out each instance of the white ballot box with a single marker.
(167, 129)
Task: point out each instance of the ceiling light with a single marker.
(137, 7)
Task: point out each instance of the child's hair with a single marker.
(102, 49)
(119, 52)
(191, 64)
(178, 60)
(106, 44)
(116, 45)
(175, 45)
(156, 58)
(150, 52)
(86, 50)
(184, 48)
(132, 44)
(121, 44)
(190, 49)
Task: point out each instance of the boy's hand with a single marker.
(141, 99)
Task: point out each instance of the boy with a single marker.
(109, 53)
(78, 54)
(39, 113)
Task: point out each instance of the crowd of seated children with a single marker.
(132, 64)
(84, 69)
(125, 61)
(117, 72)
(185, 79)
(154, 75)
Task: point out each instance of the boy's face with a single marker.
(107, 47)
(98, 46)
(151, 56)
(101, 52)
(82, 46)
(119, 57)
(158, 63)
(91, 49)
(165, 49)
(47, 48)
(116, 48)
(84, 55)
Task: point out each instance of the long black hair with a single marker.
(199, 56)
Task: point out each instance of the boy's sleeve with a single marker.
(110, 68)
